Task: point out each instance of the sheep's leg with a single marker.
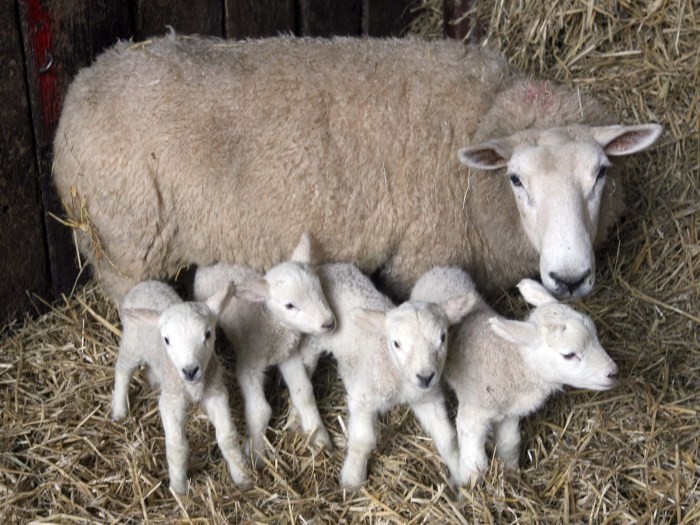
(123, 371)
(472, 430)
(436, 422)
(507, 436)
(302, 394)
(309, 357)
(216, 406)
(257, 412)
(173, 414)
(362, 439)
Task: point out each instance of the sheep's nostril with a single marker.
(614, 375)
(329, 326)
(425, 380)
(569, 283)
(190, 373)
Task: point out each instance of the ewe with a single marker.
(502, 370)
(265, 328)
(386, 356)
(354, 139)
(175, 340)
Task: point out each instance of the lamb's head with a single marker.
(558, 343)
(292, 292)
(187, 331)
(558, 177)
(416, 334)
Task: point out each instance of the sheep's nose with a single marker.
(329, 326)
(615, 374)
(569, 283)
(425, 380)
(190, 373)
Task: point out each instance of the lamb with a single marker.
(502, 370)
(175, 340)
(362, 141)
(265, 328)
(386, 356)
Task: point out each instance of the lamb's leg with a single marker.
(434, 419)
(309, 356)
(508, 441)
(472, 430)
(362, 439)
(302, 394)
(257, 412)
(216, 406)
(123, 371)
(174, 413)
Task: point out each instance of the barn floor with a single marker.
(629, 455)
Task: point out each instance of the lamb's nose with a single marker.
(425, 380)
(190, 373)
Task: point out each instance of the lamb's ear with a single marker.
(458, 307)
(534, 293)
(303, 253)
(625, 140)
(141, 315)
(520, 333)
(487, 156)
(218, 302)
(371, 321)
(255, 291)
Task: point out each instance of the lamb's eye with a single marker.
(601, 173)
(396, 344)
(442, 337)
(569, 357)
(515, 180)
(167, 341)
(207, 335)
(289, 306)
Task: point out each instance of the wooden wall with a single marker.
(43, 44)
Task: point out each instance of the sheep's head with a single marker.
(188, 332)
(416, 334)
(558, 343)
(558, 178)
(292, 292)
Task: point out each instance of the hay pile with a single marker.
(630, 455)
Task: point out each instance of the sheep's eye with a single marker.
(207, 335)
(601, 173)
(289, 306)
(396, 344)
(515, 180)
(167, 341)
(569, 357)
(442, 337)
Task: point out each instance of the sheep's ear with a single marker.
(219, 301)
(254, 291)
(487, 156)
(625, 140)
(371, 321)
(458, 307)
(303, 253)
(534, 293)
(141, 315)
(520, 333)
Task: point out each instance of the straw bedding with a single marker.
(630, 455)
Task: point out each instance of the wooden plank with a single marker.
(331, 17)
(151, 17)
(23, 257)
(59, 38)
(458, 22)
(259, 18)
(382, 18)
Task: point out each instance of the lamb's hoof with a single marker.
(179, 486)
(322, 440)
(256, 453)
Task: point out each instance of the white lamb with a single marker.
(386, 356)
(265, 328)
(503, 370)
(175, 340)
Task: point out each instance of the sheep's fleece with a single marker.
(197, 150)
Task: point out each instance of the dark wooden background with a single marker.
(43, 44)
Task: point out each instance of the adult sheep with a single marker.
(196, 150)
